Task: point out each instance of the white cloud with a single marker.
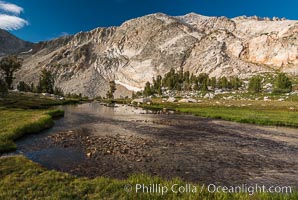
(8, 22)
(10, 8)
(9, 19)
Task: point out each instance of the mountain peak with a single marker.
(10, 44)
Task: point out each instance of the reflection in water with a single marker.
(93, 116)
(53, 157)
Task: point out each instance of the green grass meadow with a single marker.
(254, 112)
(20, 178)
(15, 123)
(23, 114)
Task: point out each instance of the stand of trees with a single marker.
(184, 81)
(10, 64)
(45, 85)
(282, 84)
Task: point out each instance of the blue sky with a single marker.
(35, 20)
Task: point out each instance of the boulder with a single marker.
(46, 94)
(209, 96)
(171, 99)
(142, 100)
(266, 99)
(187, 101)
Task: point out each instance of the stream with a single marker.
(93, 140)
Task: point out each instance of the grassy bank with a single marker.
(25, 114)
(15, 123)
(254, 112)
(23, 179)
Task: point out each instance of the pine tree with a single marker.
(39, 86)
(133, 95)
(282, 84)
(203, 80)
(223, 83)
(159, 85)
(46, 82)
(110, 93)
(195, 84)
(186, 81)
(235, 82)
(147, 90)
(24, 87)
(58, 91)
(255, 84)
(212, 82)
(9, 65)
(33, 88)
(3, 88)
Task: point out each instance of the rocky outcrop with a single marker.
(142, 48)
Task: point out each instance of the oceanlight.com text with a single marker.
(212, 188)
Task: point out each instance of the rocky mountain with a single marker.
(10, 44)
(142, 48)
